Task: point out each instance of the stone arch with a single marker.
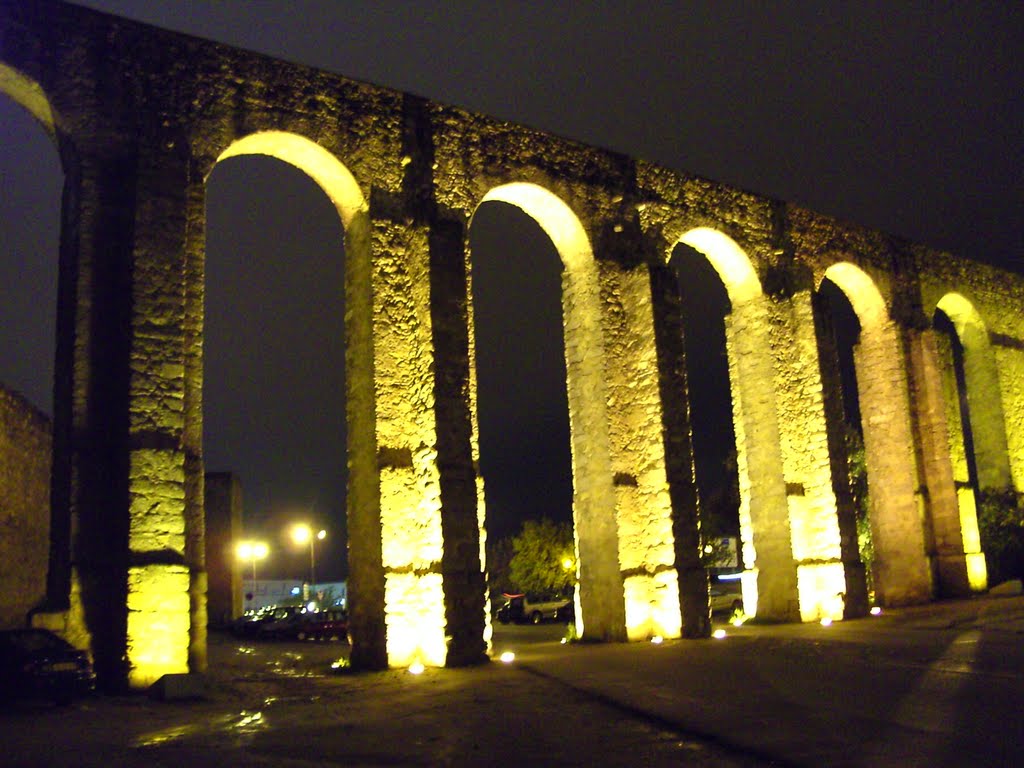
(770, 579)
(902, 573)
(30, 95)
(600, 602)
(987, 422)
(366, 588)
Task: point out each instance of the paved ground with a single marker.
(933, 686)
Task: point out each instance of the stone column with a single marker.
(465, 587)
(770, 581)
(803, 437)
(165, 569)
(955, 545)
(679, 457)
(411, 533)
(902, 572)
(832, 399)
(643, 508)
(600, 603)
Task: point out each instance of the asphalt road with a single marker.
(943, 686)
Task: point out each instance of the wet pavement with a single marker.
(938, 685)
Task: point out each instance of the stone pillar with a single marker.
(90, 469)
(803, 438)
(1009, 363)
(365, 465)
(643, 508)
(959, 566)
(228, 577)
(411, 532)
(600, 604)
(770, 581)
(856, 604)
(465, 586)
(163, 566)
(679, 457)
(901, 568)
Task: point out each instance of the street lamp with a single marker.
(302, 533)
(252, 551)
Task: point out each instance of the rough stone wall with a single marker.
(25, 449)
(222, 501)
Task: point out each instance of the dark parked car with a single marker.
(331, 624)
(37, 664)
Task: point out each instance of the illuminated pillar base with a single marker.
(652, 605)
(414, 605)
(158, 623)
(821, 587)
(962, 575)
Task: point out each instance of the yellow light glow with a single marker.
(158, 623)
(739, 619)
(29, 94)
(729, 261)
(415, 619)
(567, 563)
(416, 668)
(861, 291)
(319, 164)
(251, 550)
(718, 634)
(301, 533)
(553, 216)
(508, 657)
(977, 571)
(821, 587)
(657, 639)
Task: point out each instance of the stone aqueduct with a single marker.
(140, 117)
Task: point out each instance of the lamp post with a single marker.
(302, 533)
(252, 551)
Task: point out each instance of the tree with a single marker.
(543, 559)
(499, 557)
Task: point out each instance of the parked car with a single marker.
(535, 609)
(38, 664)
(331, 624)
(726, 596)
(284, 623)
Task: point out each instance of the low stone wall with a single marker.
(24, 507)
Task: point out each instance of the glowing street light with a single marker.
(302, 533)
(251, 551)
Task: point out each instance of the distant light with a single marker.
(718, 634)
(730, 576)
(508, 657)
(876, 610)
(564, 640)
(416, 668)
(567, 563)
(826, 621)
(311, 607)
(738, 620)
(657, 639)
(296, 590)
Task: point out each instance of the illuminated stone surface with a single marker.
(140, 117)
(25, 449)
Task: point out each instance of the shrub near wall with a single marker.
(24, 507)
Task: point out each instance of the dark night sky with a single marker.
(904, 117)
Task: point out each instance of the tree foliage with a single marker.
(1001, 524)
(540, 552)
